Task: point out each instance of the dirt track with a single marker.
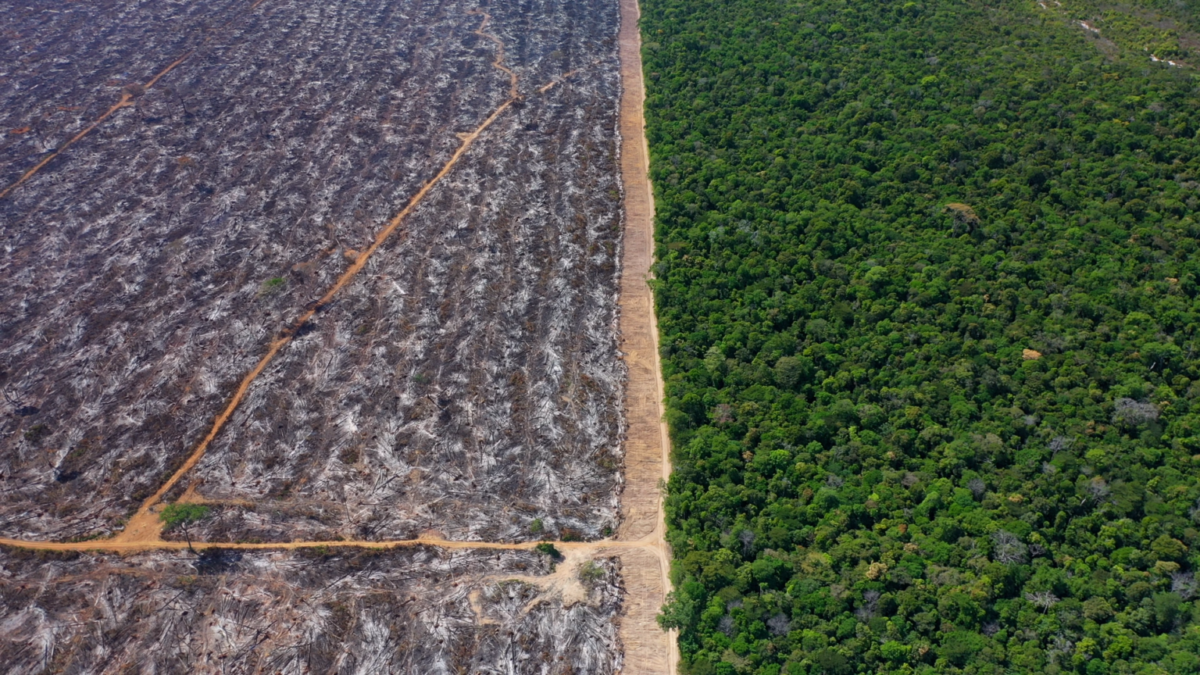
(117, 545)
(647, 446)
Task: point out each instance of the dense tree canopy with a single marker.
(928, 298)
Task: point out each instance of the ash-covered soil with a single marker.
(328, 611)
(466, 381)
(466, 384)
(63, 63)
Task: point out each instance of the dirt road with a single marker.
(647, 447)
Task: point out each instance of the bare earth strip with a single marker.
(119, 545)
(647, 448)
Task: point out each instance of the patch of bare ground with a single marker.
(647, 446)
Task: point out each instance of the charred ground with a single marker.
(379, 244)
(402, 611)
(151, 263)
(468, 381)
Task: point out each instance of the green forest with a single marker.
(929, 294)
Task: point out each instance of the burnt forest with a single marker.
(316, 346)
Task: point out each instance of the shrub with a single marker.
(272, 285)
(36, 433)
(548, 549)
(590, 573)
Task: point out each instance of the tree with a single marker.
(183, 516)
(549, 550)
(1043, 599)
(1008, 548)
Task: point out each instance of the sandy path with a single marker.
(498, 62)
(647, 448)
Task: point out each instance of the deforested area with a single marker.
(311, 334)
(63, 63)
(466, 380)
(310, 610)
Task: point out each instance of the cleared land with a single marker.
(348, 276)
(403, 611)
(192, 230)
(468, 382)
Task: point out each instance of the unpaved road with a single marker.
(647, 447)
(116, 545)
